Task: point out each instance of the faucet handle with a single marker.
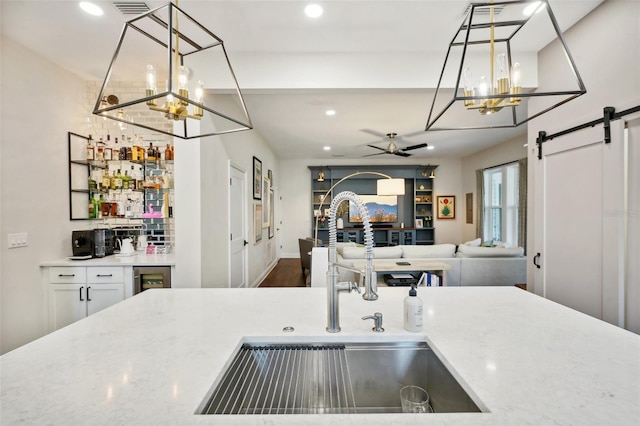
(354, 286)
(377, 321)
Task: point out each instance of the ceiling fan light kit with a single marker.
(176, 56)
(493, 92)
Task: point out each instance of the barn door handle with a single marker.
(535, 259)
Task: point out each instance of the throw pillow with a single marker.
(473, 243)
(488, 243)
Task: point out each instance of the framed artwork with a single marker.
(257, 223)
(419, 223)
(270, 176)
(446, 207)
(265, 202)
(271, 215)
(257, 179)
(469, 207)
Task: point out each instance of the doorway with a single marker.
(237, 228)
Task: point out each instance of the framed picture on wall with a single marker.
(257, 223)
(257, 179)
(446, 207)
(265, 202)
(271, 215)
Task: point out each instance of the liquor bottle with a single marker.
(106, 181)
(91, 150)
(100, 150)
(168, 153)
(107, 153)
(133, 183)
(119, 180)
(92, 207)
(151, 153)
(96, 205)
(126, 181)
(114, 181)
(128, 152)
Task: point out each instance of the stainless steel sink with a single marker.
(332, 378)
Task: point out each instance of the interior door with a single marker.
(238, 229)
(578, 180)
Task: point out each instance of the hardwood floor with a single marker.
(287, 273)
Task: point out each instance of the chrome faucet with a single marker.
(368, 275)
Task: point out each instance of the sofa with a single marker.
(471, 264)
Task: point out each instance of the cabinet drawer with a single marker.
(67, 275)
(105, 274)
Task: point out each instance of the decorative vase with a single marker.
(340, 223)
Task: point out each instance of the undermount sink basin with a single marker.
(332, 378)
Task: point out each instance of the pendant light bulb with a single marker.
(199, 92)
(483, 87)
(151, 78)
(467, 79)
(516, 75)
(183, 75)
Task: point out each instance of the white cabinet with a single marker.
(76, 292)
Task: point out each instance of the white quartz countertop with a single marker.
(151, 359)
(141, 259)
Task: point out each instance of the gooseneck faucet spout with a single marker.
(370, 278)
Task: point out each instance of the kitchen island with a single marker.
(153, 358)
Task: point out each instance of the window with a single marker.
(501, 204)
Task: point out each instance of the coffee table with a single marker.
(416, 265)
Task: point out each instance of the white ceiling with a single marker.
(291, 117)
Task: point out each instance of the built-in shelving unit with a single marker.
(415, 206)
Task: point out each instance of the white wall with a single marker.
(202, 205)
(506, 152)
(295, 185)
(37, 113)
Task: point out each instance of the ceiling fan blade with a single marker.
(374, 133)
(421, 145)
(377, 147)
(402, 154)
(379, 153)
(408, 135)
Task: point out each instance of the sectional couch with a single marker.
(471, 265)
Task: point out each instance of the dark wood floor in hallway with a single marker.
(287, 273)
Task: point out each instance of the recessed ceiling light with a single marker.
(533, 8)
(330, 112)
(313, 10)
(431, 147)
(327, 148)
(91, 8)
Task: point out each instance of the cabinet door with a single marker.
(67, 304)
(102, 296)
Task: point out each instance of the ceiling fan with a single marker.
(393, 149)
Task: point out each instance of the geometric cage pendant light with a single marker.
(491, 66)
(169, 61)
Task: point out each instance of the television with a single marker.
(382, 208)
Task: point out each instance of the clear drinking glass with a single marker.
(414, 399)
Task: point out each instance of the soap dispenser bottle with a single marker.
(413, 311)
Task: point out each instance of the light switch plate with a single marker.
(17, 240)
